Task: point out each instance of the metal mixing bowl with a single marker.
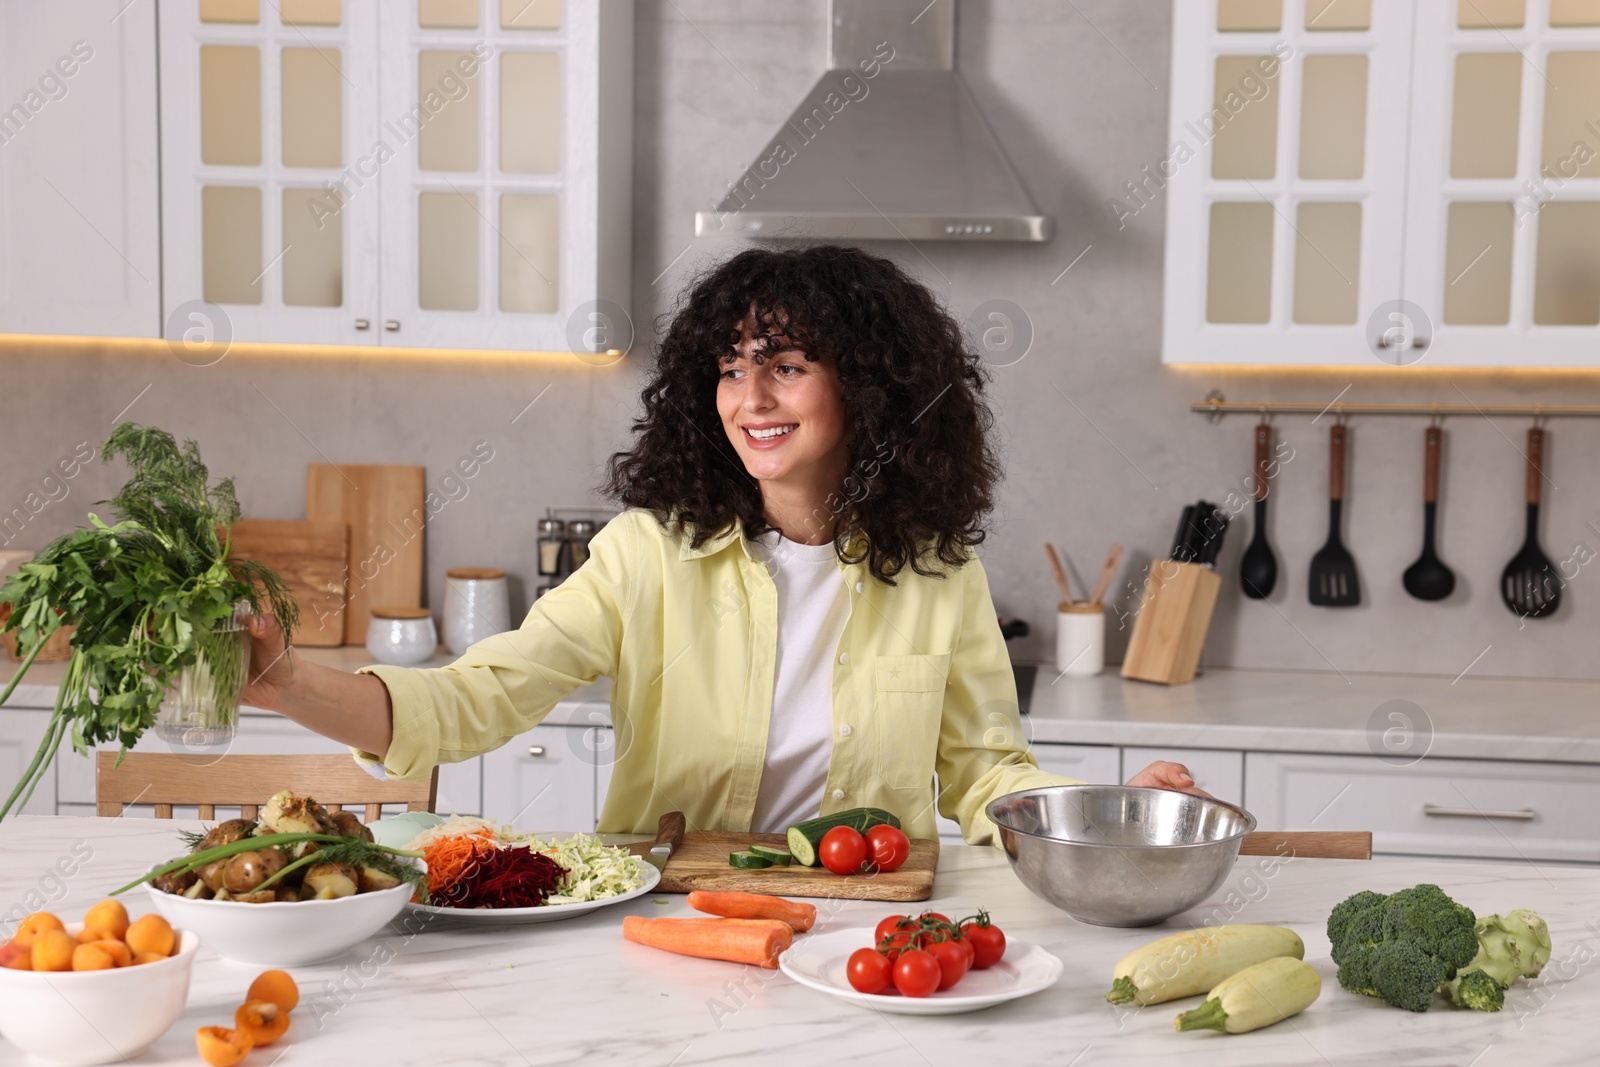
(1115, 855)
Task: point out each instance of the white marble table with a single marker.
(575, 991)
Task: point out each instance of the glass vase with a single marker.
(202, 709)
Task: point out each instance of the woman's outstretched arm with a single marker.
(352, 709)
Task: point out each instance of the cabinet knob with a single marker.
(536, 751)
(391, 325)
(362, 324)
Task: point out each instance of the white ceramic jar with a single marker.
(1081, 640)
(476, 606)
(402, 636)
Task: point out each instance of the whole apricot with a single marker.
(96, 933)
(91, 958)
(16, 957)
(151, 933)
(120, 953)
(146, 957)
(34, 925)
(108, 915)
(278, 987)
(52, 950)
(221, 1047)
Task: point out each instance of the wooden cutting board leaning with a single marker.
(311, 557)
(384, 508)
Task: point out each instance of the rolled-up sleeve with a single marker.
(983, 753)
(506, 684)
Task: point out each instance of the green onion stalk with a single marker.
(331, 849)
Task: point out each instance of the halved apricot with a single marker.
(278, 987)
(221, 1047)
(33, 926)
(108, 915)
(263, 1020)
(52, 950)
(151, 933)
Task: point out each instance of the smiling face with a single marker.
(784, 413)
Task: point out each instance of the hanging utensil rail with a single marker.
(1216, 407)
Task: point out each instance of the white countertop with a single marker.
(576, 991)
(1256, 710)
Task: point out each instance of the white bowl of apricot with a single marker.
(98, 991)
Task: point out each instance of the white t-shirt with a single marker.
(813, 605)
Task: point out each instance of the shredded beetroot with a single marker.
(505, 878)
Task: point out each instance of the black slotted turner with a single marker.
(1333, 582)
(1529, 584)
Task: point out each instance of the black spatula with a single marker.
(1333, 582)
(1428, 578)
(1258, 570)
(1529, 584)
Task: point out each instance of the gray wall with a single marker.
(1078, 95)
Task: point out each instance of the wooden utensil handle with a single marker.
(1314, 844)
(1535, 463)
(1263, 454)
(1336, 463)
(1430, 476)
(670, 828)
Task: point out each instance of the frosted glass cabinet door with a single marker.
(270, 151)
(506, 209)
(79, 194)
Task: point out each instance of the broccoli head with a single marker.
(1476, 990)
(1401, 946)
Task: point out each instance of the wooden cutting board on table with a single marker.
(701, 862)
(311, 558)
(384, 507)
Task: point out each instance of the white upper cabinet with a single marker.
(435, 173)
(79, 194)
(1405, 181)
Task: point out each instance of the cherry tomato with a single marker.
(888, 926)
(933, 916)
(952, 960)
(966, 946)
(888, 847)
(988, 943)
(916, 973)
(870, 970)
(843, 850)
(896, 942)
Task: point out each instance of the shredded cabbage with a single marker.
(594, 870)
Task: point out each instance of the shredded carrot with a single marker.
(450, 859)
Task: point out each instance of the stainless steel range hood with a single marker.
(888, 144)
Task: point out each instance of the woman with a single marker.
(790, 608)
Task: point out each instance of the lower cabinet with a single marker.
(1099, 764)
(1219, 772)
(21, 730)
(543, 780)
(1484, 809)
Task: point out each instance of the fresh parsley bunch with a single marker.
(145, 594)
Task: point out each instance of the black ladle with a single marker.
(1428, 578)
(1258, 570)
(1529, 584)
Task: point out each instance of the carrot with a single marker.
(450, 859)
(755, 906)
(757, 941)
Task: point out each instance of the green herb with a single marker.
(146, 594)
(355, 851)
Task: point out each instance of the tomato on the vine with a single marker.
(933, 916)
(917, 973)
(869, 970)
(887, 847)
(887, 927)
(988, 942)
(896, 942)
(843, 850)
(952, 960)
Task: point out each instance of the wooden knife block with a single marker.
(1170, 628)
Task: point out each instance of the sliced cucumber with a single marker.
(780, 857)
(748, 861)
(804, 837)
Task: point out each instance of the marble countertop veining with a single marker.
(1256, 710)
(575, 991)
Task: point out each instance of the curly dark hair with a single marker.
(922, 470)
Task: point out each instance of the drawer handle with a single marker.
(537, 751)
(1521, 815)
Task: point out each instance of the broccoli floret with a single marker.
(1476, 990)
(1401, 946)
(1512, 946)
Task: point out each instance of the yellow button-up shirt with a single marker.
(924, 700)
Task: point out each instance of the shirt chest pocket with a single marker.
(908, 696)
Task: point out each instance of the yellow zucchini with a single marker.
(1195, 960)
(1260, 995)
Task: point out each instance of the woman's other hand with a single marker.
(270, 671)
(1164, 775)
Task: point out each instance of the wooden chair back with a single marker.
(168, 779)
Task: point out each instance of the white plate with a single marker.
(544, 913)
(819, 962)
